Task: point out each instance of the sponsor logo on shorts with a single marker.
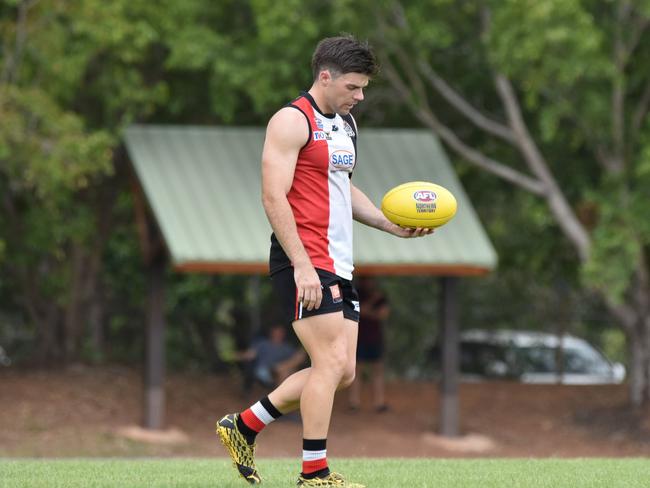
(343, 160)
(336, 293)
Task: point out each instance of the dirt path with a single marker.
(78, 412)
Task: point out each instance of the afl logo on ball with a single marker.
(424, 196)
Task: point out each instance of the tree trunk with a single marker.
(73, 313)
(85, 276)
(640, 298)
(563, 320)
(49, 332)
(638, 374)
(96, 326)
(646, 394)
(564, 214)
(83, 311)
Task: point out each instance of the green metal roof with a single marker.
(203, 186)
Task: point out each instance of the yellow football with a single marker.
(419, 204)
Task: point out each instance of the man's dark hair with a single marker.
(343, 54)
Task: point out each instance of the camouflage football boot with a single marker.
(331, 480)
(241, 452)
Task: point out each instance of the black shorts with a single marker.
(338, 295)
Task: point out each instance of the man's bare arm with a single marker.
(364, 211)
(286, 133)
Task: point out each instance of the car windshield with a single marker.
(476, 358)
(576, 360)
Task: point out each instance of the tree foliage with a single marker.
(563, 86)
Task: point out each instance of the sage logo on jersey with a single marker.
(343, 160)
(424, 196)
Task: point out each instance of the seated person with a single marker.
(269, 360)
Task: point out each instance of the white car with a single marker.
(533, 357)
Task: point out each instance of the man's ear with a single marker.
(325, 76)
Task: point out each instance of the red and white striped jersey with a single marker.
(320, 194)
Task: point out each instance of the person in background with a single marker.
(370, 346)
(271, 358)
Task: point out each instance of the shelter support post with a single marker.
(154, 372)
(449, 415)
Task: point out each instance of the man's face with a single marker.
(343, 91)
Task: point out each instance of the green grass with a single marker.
(375, 473)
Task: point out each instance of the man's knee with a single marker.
(333, 365)
(348, 376)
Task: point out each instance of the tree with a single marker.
(73, 75)
(562, 87)
(47, 157)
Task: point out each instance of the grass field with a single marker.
(375, 473)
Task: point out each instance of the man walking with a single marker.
(307, 163)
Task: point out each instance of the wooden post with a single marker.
(155, 258)
(449, 416)
(255, 295)
(154, 371)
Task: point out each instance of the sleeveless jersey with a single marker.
(320, 194)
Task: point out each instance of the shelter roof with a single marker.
(202, 185)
